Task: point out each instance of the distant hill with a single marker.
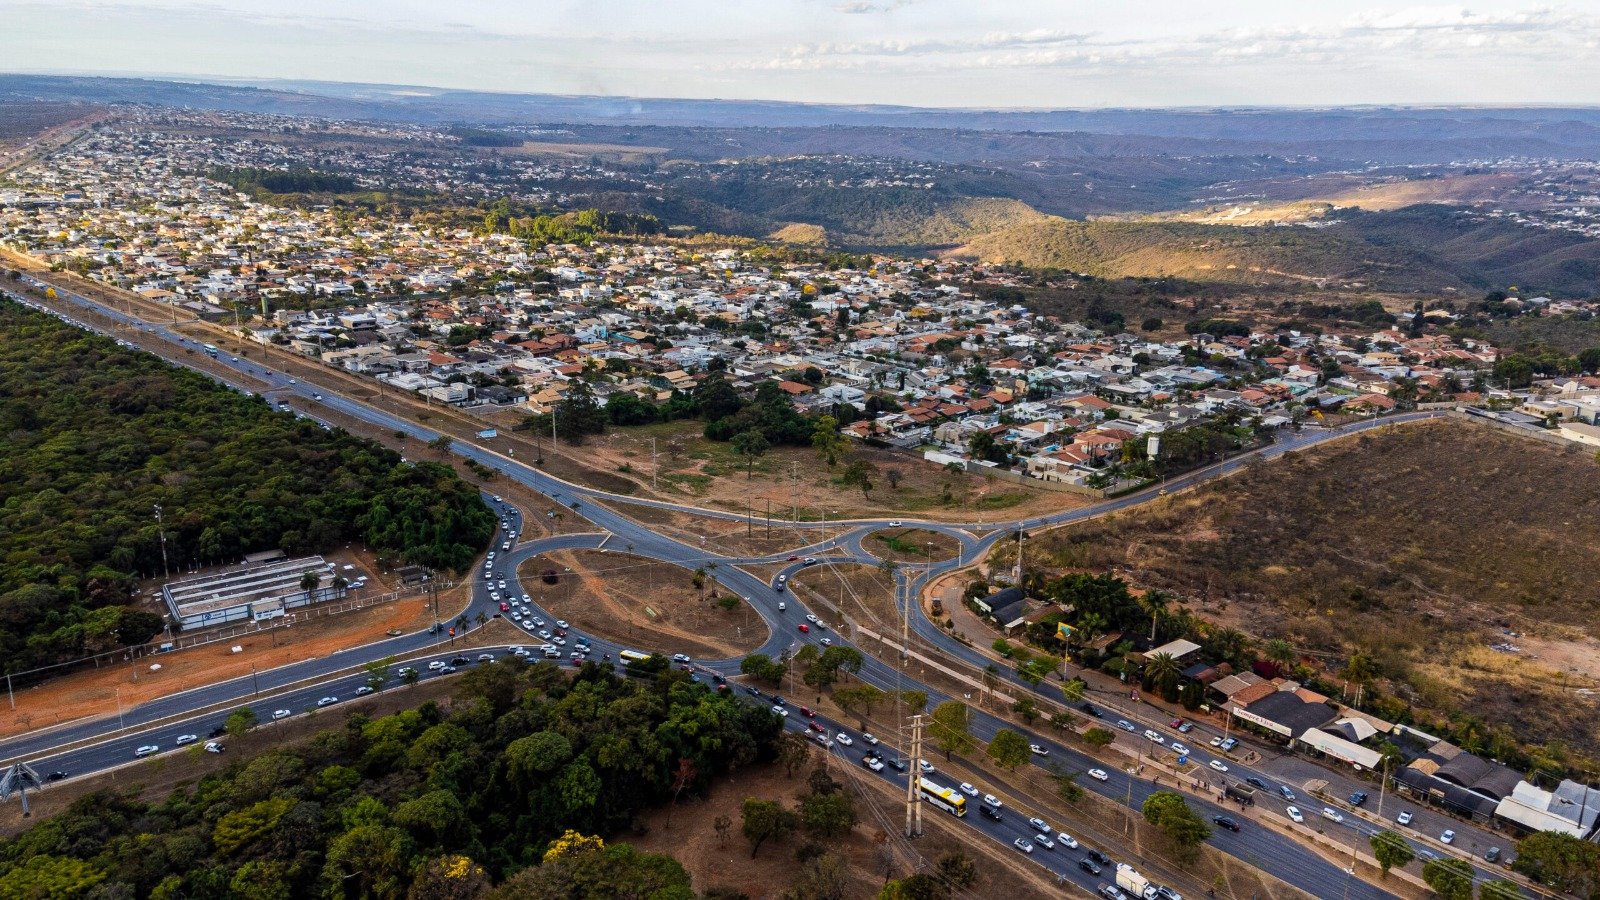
(1426, 248)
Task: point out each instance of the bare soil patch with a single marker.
(863, 593)
(643, 603)
(728, 537)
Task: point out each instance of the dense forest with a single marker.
(95, 436)
(511, 793)
(282, 181)
(576, 227)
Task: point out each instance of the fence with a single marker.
(210, 636)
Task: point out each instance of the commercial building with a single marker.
(256, 591)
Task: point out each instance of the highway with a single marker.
(287, 687)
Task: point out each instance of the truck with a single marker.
(1241, 792)
(1132, 882)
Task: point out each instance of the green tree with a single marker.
(859, 473)
(595, 869)
(750, 445)
(1067, 787)
(1164, 671)
(827, 815)
(826, 439)
(858, 699)
(957, 870)
(1500, 889)
(240, 721)
(1184, 830)
(1036, 670)
(1559, 861)
(951, 728)
(1451, 879)
(1026, 709)
(1391, 850)
(244, 826)
(378, 673)
(1280, 653)
(1008, 749)
(762, 668)
(1098, 737)
(764, 820)
(1073, 689)
(49, 877)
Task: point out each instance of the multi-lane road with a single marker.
(101, 744)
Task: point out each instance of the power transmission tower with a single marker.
(913, 805)
(20, 777)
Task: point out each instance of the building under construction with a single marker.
(253, 592)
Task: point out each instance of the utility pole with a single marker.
(655, 464)
(794, 488)
(161, 529)
(913, 776)
(769, 518)
(905, 625)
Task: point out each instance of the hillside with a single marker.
(1416, 546)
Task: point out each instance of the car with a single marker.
(364, 690)
(967, 789)
(436, 665)
(925, 766)
(1175, 723)
(1098, 857)
(1165, 893)
(1088, 865)
(1256, 782)
(1219, 765)
(804, 628)
(1216, 741)
(538, 622)
(794, 559)
(55, 776)
(1039, 825)
(895, 524)
(1185, 728)
(501, 584)
(214, 747)
(873, 763)
(485, 657)
(1287, 794)
(1358, 798)
(680, 657)
(562, 623)
(559, 641)
(1294, 814)
(1112, 892)
(899, 765)
(1043, 842)
(1066, 840)
(1099, 775)
(1228, 744)
(825, 741)
(1153, 737)
(1492, 854)
(1127, 726)
(782, 580)
(1179, 749)
(394, 632)
(1404, 818)
(504, 606)
(816, 726)
(867, 738)
(281, 714)
(316, 396)
(806, 711)
(1225, 822)
(813, 619)
(843, 739)
(184, 739)
(992, 813)
(1023, 845)
(328, 701)
(146, 750)
(993, 801)
(780, 710)
(1332, 815)
(1448, 837)
(1089, 708)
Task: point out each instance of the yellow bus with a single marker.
(946, 799)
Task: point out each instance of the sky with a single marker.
(943, 53)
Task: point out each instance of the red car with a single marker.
(504, 606)
(807, 713)
(816, 726)
(793, 558)
(804, 627)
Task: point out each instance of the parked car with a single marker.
(1404, 818)
(214, 747)
(1229, 744)
(1358, 798)
(1448, 837)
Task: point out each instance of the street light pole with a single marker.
(161, 530)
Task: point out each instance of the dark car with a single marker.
(1225, 822)
(1257, 782)
(989, 812)
(57, 776)
(1088, 865)
(1088, 707)
(1358, 798)
(899, 765)
(1098, 857)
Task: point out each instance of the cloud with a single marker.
(862, 7)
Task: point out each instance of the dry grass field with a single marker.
(1421, 546)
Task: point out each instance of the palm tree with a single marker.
(1090, 626)
(309, 582)
(1280, 653)
(482, 618)
(1154, 603)
(1164, 672)
(461, 623)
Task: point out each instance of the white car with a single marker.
(1331, 814)
(1219, 765)
(1216, 741)
(562, 623)
(1038, 750)
(1179, 749)
(812, 619)
(1040, 826)
(780, 711)
(873, 763)
(895, 524)
(213, 747)
(1404, 818)
(146, 750)
(968, 789)
(868, 739)
(327, 701)
(1294, 815)
(1044, 842)
(364, 690)
(1066, 840)
(843, 738)
(925, 766)
(1023, 845)
(1099, 775)
(436, 665)
(826, 642)
(281, 714)
(993, 801)
(1449, 836)
(1153, 738)
(184, 739)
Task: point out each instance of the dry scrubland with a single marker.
(1418, 545)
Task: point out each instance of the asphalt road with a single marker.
(1276, 853)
